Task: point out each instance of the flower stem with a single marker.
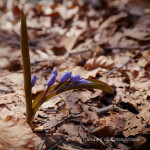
(42, 96)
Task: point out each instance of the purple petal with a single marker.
(65, 76)
(55, 72)
(51, 80)
(75, 78)
(83, 81)
(33, 81)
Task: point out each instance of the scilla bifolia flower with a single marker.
(33, 81)
(74, 83)
(65, 76)
(75, 78)
(55, 72)
(51, 80)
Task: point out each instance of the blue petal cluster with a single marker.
(75, 78)
(65, 76)
(33, 81)
(51, 80)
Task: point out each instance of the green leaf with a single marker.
(100, 86)
(26, 68)
(95, 85)
(49, 90)
(97, 81)
(41, 94)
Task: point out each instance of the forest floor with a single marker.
(108, 41)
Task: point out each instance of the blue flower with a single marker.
(55, 72)
(65, 76)
(83, 81)
(33, 81)
(51, 80)
(75, 78)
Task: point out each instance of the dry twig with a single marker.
(108, 108)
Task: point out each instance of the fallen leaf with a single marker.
(101, 61)
(141, 29)
(139, 79)
(69, 41)
(133, 126)
(15, 134)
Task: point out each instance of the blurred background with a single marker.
(72, 29)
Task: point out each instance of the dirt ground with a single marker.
(97, 39)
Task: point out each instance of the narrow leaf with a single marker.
(26, 67)
(101, 86)
(49, 90)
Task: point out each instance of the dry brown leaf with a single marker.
(134, 122)
(72, 100)
(70, 147)
(15, 134)
(15, 80)
(69, 41)
(107, 29)
(139, 79)
(117, 81)
(3, 62)
(142, 62)
(84, 73)
(101, 61)
(52, 103)
(66, 14)
(145, 113)
(12, 104)
(112, 19)
(146, 54)
(71, 129)
(133, 126)
(141, 29)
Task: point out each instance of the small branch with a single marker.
(35, 41)
(128, 47)
(49, 110)
(68, 117)
(107, 48)
(6, 90)
(108, 108)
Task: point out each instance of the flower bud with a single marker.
(51, 80)
(33, 81)
(75, 78)
(55, 72)
(65, 76)
(83, 81)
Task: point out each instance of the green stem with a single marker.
(26, 69)
(42, 96)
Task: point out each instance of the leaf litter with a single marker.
(90, 42)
